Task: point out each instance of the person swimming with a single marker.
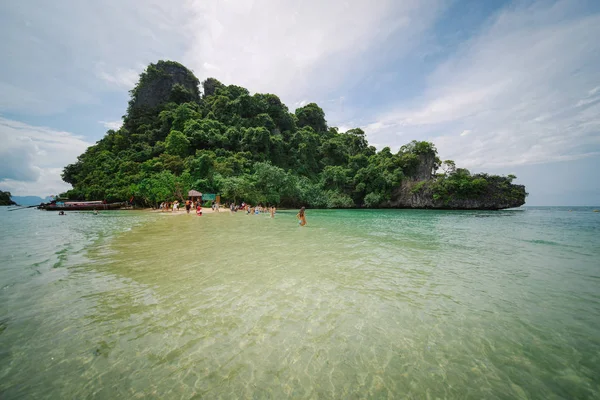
(301, 217)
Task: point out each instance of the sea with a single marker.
(416, 304)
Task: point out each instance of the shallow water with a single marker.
(358, 304)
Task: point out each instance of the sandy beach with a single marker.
(182, 211)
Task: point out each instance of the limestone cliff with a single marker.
(163, 82)
(495, 197)
(456, 190)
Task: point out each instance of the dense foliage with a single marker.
(245, 147)
(5, 199)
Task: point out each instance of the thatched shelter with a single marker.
(194, 195)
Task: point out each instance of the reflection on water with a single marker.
(357, 304)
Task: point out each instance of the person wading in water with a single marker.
(301, 217)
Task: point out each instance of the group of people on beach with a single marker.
(256, 210)
(249, 209)
(174, 206)
(259, 209)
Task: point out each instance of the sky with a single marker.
(499, 86)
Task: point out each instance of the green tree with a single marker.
(449, 167)
(373, 200)
(272, 183)
(250, 147)
(177, 144)
(312, 115)
(238, 189)
(210, 86)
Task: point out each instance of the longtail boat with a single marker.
(80, 206)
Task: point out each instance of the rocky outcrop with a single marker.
(425, 168)
(5, 199)
(456, 189)
(163, 82)
(420, 194)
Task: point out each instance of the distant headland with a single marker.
(252, 148)
(5, 199)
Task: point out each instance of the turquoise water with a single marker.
(358, 304)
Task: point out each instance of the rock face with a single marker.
(163, 82)
(424, 191)
(425, 168)
(495, 198)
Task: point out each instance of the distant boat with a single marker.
(80, 206)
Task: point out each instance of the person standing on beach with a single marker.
(188, 206)
(301, 217)
(272, 211)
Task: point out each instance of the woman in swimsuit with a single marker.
(301, 217)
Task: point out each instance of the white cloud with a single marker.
(67, 53)
(465, 132)
(585, 102)
(33, 157)
(123, 78)
(523, 85)
(344, 128)
(209, 67)
(49, 183)
(298, 49)
(114, 125)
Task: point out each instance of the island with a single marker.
(179, 134)
(5, 199)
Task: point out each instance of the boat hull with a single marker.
(83, 207)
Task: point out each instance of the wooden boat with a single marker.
(80, 206)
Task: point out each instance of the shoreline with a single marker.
(182, 211)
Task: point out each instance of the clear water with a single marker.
(358, 304)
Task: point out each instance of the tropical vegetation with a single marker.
(247, 147)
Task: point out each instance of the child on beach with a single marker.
(301, 217)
